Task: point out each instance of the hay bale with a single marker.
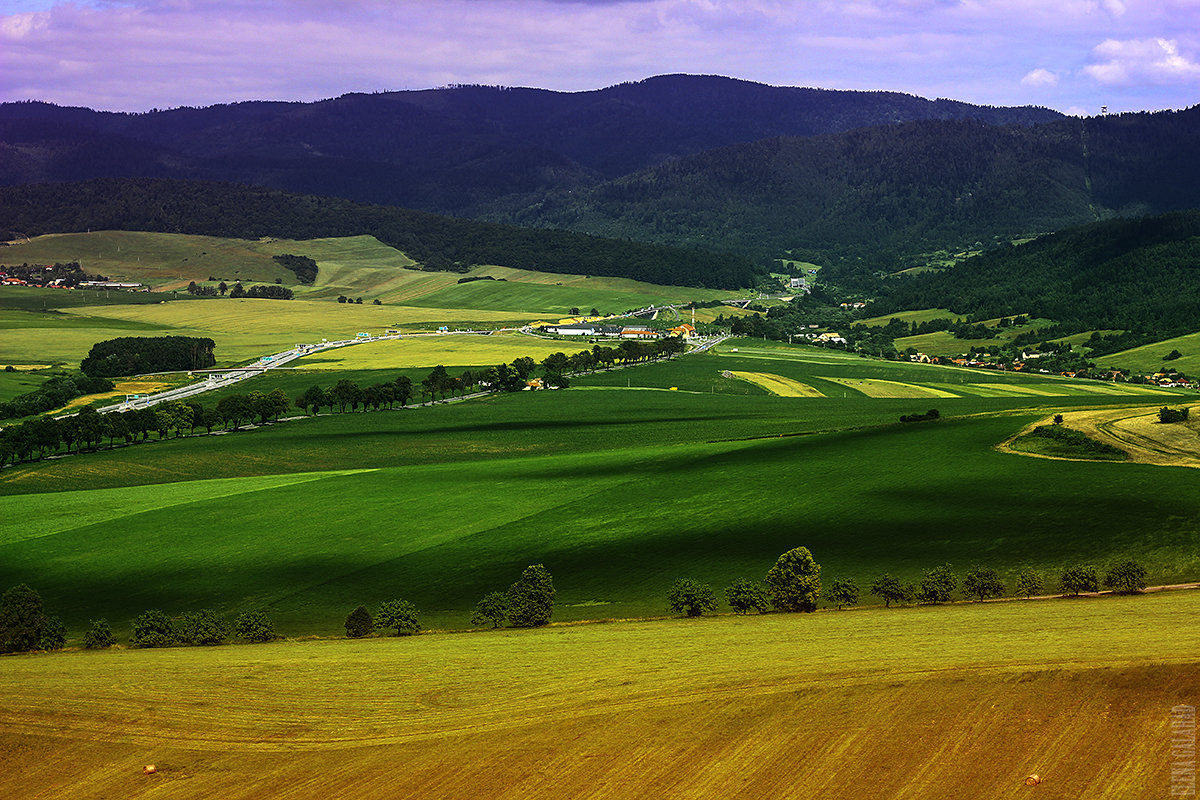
(149, 769)
(1033, 780)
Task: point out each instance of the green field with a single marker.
(59, 327)
(1149, 358)
(962, 701)
(918, 316)
(619, 486)
(619, 491)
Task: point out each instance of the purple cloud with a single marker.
(159, 53)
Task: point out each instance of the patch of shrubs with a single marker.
(931, 414)
(1067, 441)
(1168, 416)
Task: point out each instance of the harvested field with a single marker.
(777, 385)
(847, 705)
(877, 387)
(1138, 432)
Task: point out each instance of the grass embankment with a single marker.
(1058, 441)
(963, 701)
(1138, 433)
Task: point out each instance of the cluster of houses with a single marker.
(584, 327)
(38, 277)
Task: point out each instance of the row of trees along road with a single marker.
(34, 439)
(42, 436)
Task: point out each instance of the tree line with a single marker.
(36, 438)
(54, 393)
(792, 585)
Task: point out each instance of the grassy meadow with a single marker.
(617, 489)
(962, 701)
(1149, 357)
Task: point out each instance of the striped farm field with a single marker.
(450, 350)
(776, 385)
(840, 705)
(875, 387)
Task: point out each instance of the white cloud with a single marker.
(1127, 63)
(1040, 77)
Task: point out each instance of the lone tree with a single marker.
(398, 614)
(843, 592)
(22, 619)
(491, 609)
(1078, 578)
(531, 599)
(153, 628)
(1029, 583)
(891, 590)
(982, 582)
(691, 597)
(99, 636)
(1127, 577)
(359, 623)
(254, 626)
(794, 583)
(744, 595)
(938, 585)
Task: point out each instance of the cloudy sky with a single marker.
(133, 55)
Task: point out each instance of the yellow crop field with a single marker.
(242, 329)
(948, 702)
(450, 350)
(120, 389)
(778, 385)
(876, 387)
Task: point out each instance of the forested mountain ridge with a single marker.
(873, 198)
(1140, 276)
(448, 150)
(436, 242)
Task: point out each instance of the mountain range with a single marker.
(864, 182)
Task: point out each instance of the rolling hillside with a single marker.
(435, 242)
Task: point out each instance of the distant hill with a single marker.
(450, 150)
(1141, 276)
(435, 242)
(872, 198)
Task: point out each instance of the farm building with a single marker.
(684, 331)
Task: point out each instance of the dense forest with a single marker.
(136, 355)
(450, 150)
(1140, 276)
(874, 200)
(436, 242)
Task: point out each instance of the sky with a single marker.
(134, 55)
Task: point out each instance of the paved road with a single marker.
(218, 379)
